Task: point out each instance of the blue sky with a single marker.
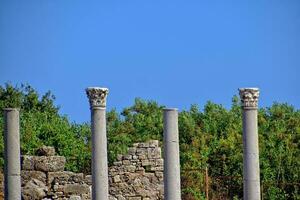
(174, 52)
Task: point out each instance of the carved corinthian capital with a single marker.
(249, 97)
(97, 96)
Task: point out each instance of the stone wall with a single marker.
(43, 177)
(138, 175)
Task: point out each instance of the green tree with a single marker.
(41, 124)
(210, 138)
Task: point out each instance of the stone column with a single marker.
(97, 98)
(251, 176)
(12, 164)
(171, 155)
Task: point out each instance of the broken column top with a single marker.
(249, 97)
(97, 96)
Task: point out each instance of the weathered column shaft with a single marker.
(172, 189)
(99, 154)
(97, 97)
(12, 164)
(251, 174)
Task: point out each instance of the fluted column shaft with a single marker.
(251, 174)
(97, 98)
(12, 164)
(172, 189)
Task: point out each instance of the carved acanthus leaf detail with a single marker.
(249, 97)
(97, 96)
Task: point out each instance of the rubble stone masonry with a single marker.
(138, 175)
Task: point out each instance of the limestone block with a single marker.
(131, 150)
(46, 151)
(112, 173)
(159, 174)
(136, 175)
(50, 163)
(152, 162)
(74, 197)
(135, 198)
(114, 190)
(27, 162)
(145, 162)
(159, 162)
(88, 179)
(76, 189)
(142, 156)
(126, 162)
(59, 194)
(159, 168)
(86, 196)
(151, 177)
(118, 163)
(154, 152)
(143, 145)
(127, 157)
(141, 151)
(160, 188)
(64, 177)
(28, 175)
(135, 144)
(153, 143)
(140, 170)
(117, 179)
(34, 189)
(130, 168)
(120, 197)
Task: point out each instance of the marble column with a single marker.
(12, 164)
(171, 155)
(97, 98)
(251, 176)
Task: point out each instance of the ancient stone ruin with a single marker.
(137, 175)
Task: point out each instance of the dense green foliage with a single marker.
(210, 138)
(41, 124)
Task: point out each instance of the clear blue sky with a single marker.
(174, 52)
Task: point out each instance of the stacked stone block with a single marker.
(43, 178)
(137, 175)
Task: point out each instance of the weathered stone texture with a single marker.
(76, 189)
(136, 175)
(46, 151)
(43, 163)
(50, 163)
(34, 189)
(28, 175)
(28, 162)
(64, 177)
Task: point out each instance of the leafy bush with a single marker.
(210, 138)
